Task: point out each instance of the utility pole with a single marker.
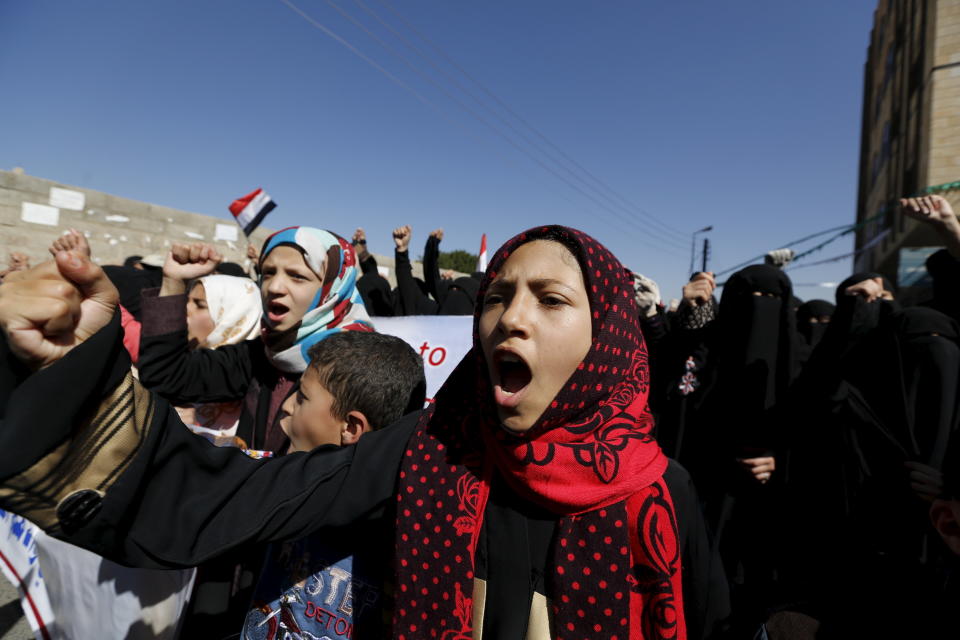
(693, 245)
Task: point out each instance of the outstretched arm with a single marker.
(109, 467)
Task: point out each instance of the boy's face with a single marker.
(310, 422)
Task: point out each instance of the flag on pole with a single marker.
(250, 210)
(482, 259)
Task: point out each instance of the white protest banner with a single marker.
(441, 341)
(92, 597)
(18, 562)
(67, 592)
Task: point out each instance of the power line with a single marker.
(486, 122)
(679, 234)
(662, 235)
(356, 51)
(847, 229)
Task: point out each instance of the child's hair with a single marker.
(376, 374)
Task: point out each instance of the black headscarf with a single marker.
(911, 380)
(460, 297)
(130, 282)
(860, 276)
(757, 351)
(376, 294)
(812, 332)
(944, 270)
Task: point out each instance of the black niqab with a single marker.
(757, 351)
(812, 332)
(460, 297)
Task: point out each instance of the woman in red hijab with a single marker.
(542, 434)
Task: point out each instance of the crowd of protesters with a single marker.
(598, 465)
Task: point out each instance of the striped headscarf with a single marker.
(337, 305)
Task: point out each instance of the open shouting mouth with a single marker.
(511, 377)
(276, 311)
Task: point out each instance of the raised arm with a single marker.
(412, 300)
(431, 264)
(106, 467)
(167, 365)
(368, 264)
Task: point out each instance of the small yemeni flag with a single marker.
(251, 209)
(482, 259)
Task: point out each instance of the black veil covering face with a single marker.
(753, 348)
(757, 353)
(812, 331)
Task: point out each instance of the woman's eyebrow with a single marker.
(501, 284)
(541, 283)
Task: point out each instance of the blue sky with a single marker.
(744, 115)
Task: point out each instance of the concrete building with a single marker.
(910, 137)
(35, 211)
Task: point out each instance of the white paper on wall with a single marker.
(226, 232)
(40, 214)
(67, 199)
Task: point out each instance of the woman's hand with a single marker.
(72, 240)
(700, 289)
(938, 213)
(401, 237)
(187, 262)
(925, 481)
(760, 468)
(55, 306)
(870, 290)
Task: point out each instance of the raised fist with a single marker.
(54, 307)
(401, 237)
(190, 261)
(437, 233)
(700, 288)
(72, 240)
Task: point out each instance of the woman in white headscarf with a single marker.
(221, 310)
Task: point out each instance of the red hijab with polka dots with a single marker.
(590, 459)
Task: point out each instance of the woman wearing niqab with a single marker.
(753, 344)
(896, 402)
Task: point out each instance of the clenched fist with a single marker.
(188, 262)
(401, 237)
(54, 307)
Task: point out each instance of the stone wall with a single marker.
(35, 211)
